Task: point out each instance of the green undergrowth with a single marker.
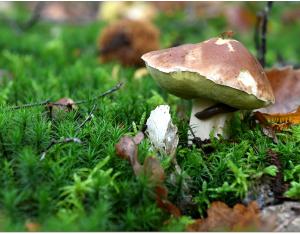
(86, 187)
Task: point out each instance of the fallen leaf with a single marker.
(161, 131)
(272, 123)
(291, 117)
(127, 148)
(32, 226)
(61, 106)
(285, 83)
(153, 170)
(223, 218)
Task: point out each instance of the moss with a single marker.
(86, 187)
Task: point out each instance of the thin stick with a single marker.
(117, 87)
(257, 32)
(56, 142)
(113, 89)
(89, 118)
(36, 15)
(263, 47)
(31, 105)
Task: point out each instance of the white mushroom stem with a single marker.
(202, 128)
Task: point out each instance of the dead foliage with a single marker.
(127, 148)
(223, 218)
(285, 112)
(285, 83)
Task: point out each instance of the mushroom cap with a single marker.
(218, 69)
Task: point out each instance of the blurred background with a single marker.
(178, 22)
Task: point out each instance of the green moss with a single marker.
(86, 187)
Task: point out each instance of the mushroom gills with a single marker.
(214, 110)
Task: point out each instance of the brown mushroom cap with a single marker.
(219, 69)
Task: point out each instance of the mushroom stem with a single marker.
(203, 128)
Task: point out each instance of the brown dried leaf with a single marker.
(223, 218)
(127, 149)
(32, 226)
(291, 117)
(58, 108)
(163, 202)
(154, 170)
(277, 122)
(285, 83)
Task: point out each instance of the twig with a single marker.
(34, 17)
(31, 105)
(257, 32)
(48, 102)
(88, 118)
(117, 87)
(56, 142)
(263, 48)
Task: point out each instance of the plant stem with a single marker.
(31, 105)
(117, 87)
(113, 89)
(63, 141)
(264, 23)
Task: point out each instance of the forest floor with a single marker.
(84, 186)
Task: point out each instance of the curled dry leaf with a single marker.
(161, 131)
(223, 218)
(61, 106)
(127, 148)
(285, 112)
(285, 83)
(272, 123)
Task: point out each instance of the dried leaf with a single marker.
(163, 202)
(291, 117)
(285, 83)
(161, 131)
(32, 226)
(58, 108)
(223, 218)
(153, 170)
(127, 149)
(272, 123)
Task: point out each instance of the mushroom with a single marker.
(216, 71)
(127, 40)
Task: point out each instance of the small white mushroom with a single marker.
(161, 131)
